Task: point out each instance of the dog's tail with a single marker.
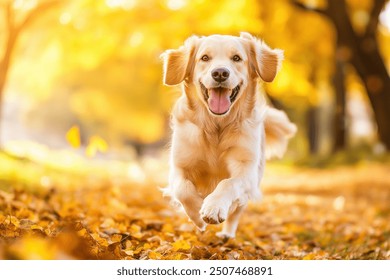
(278, 129)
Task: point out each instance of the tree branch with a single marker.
(14, 29)
(36, 12)
(9, 16)
(10, 27)
(374, 17)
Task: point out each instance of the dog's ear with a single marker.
(178, 63)
(265, 61)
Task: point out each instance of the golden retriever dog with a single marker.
(222, 126)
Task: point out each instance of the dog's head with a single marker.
(220, 67)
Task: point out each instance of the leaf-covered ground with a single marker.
(338, 213)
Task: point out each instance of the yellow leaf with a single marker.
(138, 250)
(96, 144)
(100, 240)
(135, 231)
(181, 245)
(310, 256)
(73, 137)
(154, 255)
(116, 238)
(129, 252)
(14, 220)
(82, 232)
(108, 222)
(177, 256)
(36, 227)
(168, 228)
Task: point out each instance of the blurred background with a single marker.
(85, 75)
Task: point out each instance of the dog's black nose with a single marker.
(220, 74)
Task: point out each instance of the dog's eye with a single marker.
(236, 58)
(205, 58)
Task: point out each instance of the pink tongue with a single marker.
(219, 100)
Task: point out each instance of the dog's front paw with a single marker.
(213, 212)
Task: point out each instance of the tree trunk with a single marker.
(339, 127)
(1, 118)
(4, 69)
(2, 86)
(366, 59)
(13, 30)
(362, 51)
(377, 84)
(275, 103)
(312, 129)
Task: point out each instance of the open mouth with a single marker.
(219, 99)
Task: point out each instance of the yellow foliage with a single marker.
(293, 79)
(103, 57)
(310, 256)
(181, 245)
(154, 255)
(73, 137)
(96, 144)
(135, 231)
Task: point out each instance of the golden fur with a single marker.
(217, 159)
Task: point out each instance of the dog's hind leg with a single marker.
(230, 226)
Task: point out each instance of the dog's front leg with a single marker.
(229, 199)
(185, 192)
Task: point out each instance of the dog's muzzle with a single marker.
(219, 99)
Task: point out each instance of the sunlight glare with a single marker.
(312, 4)
(384, 17)
(46, 181)
(25, 4)
(125, 4)
(135, 172)
(65, 18)
(315, 4)
(136, 39)
(176, 4)
(339, 203)
(114, 3)
(129, 4)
